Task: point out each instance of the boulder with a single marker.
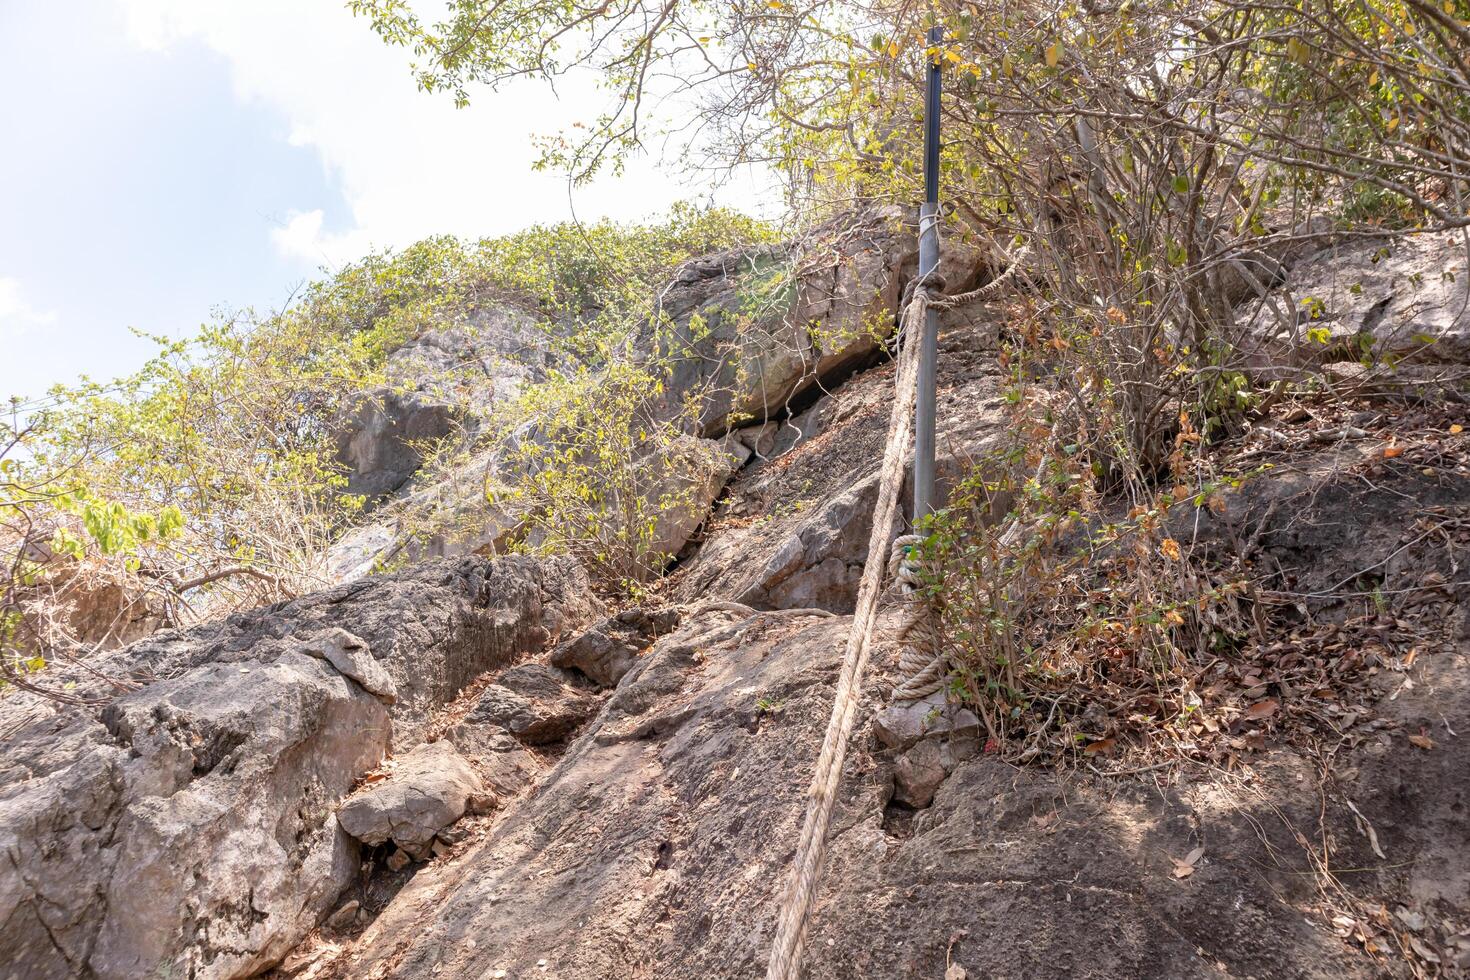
(444, 380)
(504, 763)
(609, 650)
(210, 787)
(207, 794)
(917, 773)
(795, 530)
(756, 332)
(428, 789)
(350, 655)
(921, 770)
(535, 703)
(752, 336)
(680, 486)
(904, 724)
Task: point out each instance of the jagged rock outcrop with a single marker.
(606, 652)
(660, 842)
(651, 771)
(794, 532)
(535, 703)
(443, 381)
(188, 827)
(752, 337)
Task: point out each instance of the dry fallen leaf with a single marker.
(1389, 452)
(1262, 710)
(955, 972)
(1184, 868)
(1422, 948)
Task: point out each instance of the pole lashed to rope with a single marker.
(928, 339)
(785, 962)
(922, 669)
(915, 382)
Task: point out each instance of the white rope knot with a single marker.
(921, 664)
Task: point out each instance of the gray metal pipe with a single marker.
(925, 410)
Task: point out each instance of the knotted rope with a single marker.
(811, 847)
(921, 663)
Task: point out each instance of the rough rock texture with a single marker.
(659, 843)
(609, 650)
(1400, 298)
(447, 377)
(777, 326)
(535, 703)
(502, 761)
(795, 531)
(188, 826)
(774, 332)
(428, 789)
(901, 725)
(690, 476)
(352, 658)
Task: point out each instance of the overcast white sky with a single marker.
(168, 157)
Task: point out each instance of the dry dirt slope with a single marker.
(658, 844)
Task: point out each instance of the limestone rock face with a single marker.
(661, 840)
(505, 764)
(1406, 297)
(535, 703)
(429, 789)
(188, 827)
(904, 724)
(755, 338)
(607, 651)
(352, 658)
(760, 332)
(795, 531)
(450, 376)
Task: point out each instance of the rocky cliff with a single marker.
(469, 769)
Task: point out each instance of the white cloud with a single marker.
(16, 314)
(302, 237)
(407, 163)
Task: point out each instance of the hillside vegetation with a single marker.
(212, 479)
(479, 614)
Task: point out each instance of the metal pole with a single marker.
(928, 261)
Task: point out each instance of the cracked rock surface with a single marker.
(188, 828)
(429, 789)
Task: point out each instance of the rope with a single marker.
(983, 292)
(921, 661)
(785, 962)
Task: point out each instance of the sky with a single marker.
(164, 161)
